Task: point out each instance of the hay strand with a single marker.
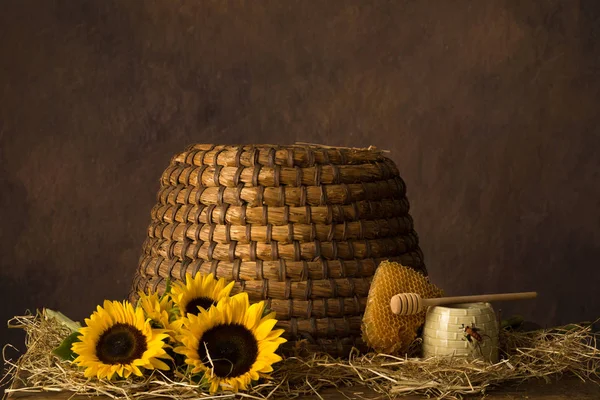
(543, 354)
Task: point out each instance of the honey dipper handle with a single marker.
(472, 299)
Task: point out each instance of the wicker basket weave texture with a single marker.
(302, 227)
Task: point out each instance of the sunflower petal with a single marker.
(275, 334)
(253, 315)
(159, 364)
(264, 329)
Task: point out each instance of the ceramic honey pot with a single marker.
(464, 330)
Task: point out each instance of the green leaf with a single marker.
(64, 350)
(266, 312)
(174, 314)
(513, 322)
(64, 320)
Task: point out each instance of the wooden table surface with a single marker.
(564, 389)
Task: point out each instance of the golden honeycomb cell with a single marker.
(383, 330)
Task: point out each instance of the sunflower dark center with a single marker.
(121, 344)
(204, 302)
(232, 349)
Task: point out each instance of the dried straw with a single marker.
(380, 193)
(361, 249)
(544, 354)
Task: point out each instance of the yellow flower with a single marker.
(118, 339)
(157, 309)
(202, 291)
(231, 343)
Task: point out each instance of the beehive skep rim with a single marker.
(546, 354)
(370, 147)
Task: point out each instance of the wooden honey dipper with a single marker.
(412, 303)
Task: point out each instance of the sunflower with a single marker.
(117, 339)
(231, 344)
(157, 308)
(199, 292)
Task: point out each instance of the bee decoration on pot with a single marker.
(471, 332)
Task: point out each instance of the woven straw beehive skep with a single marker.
(302, 227)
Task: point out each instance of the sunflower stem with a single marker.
(167, 291)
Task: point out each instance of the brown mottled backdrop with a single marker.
(490, 110)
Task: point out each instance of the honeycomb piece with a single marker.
(383, 330)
